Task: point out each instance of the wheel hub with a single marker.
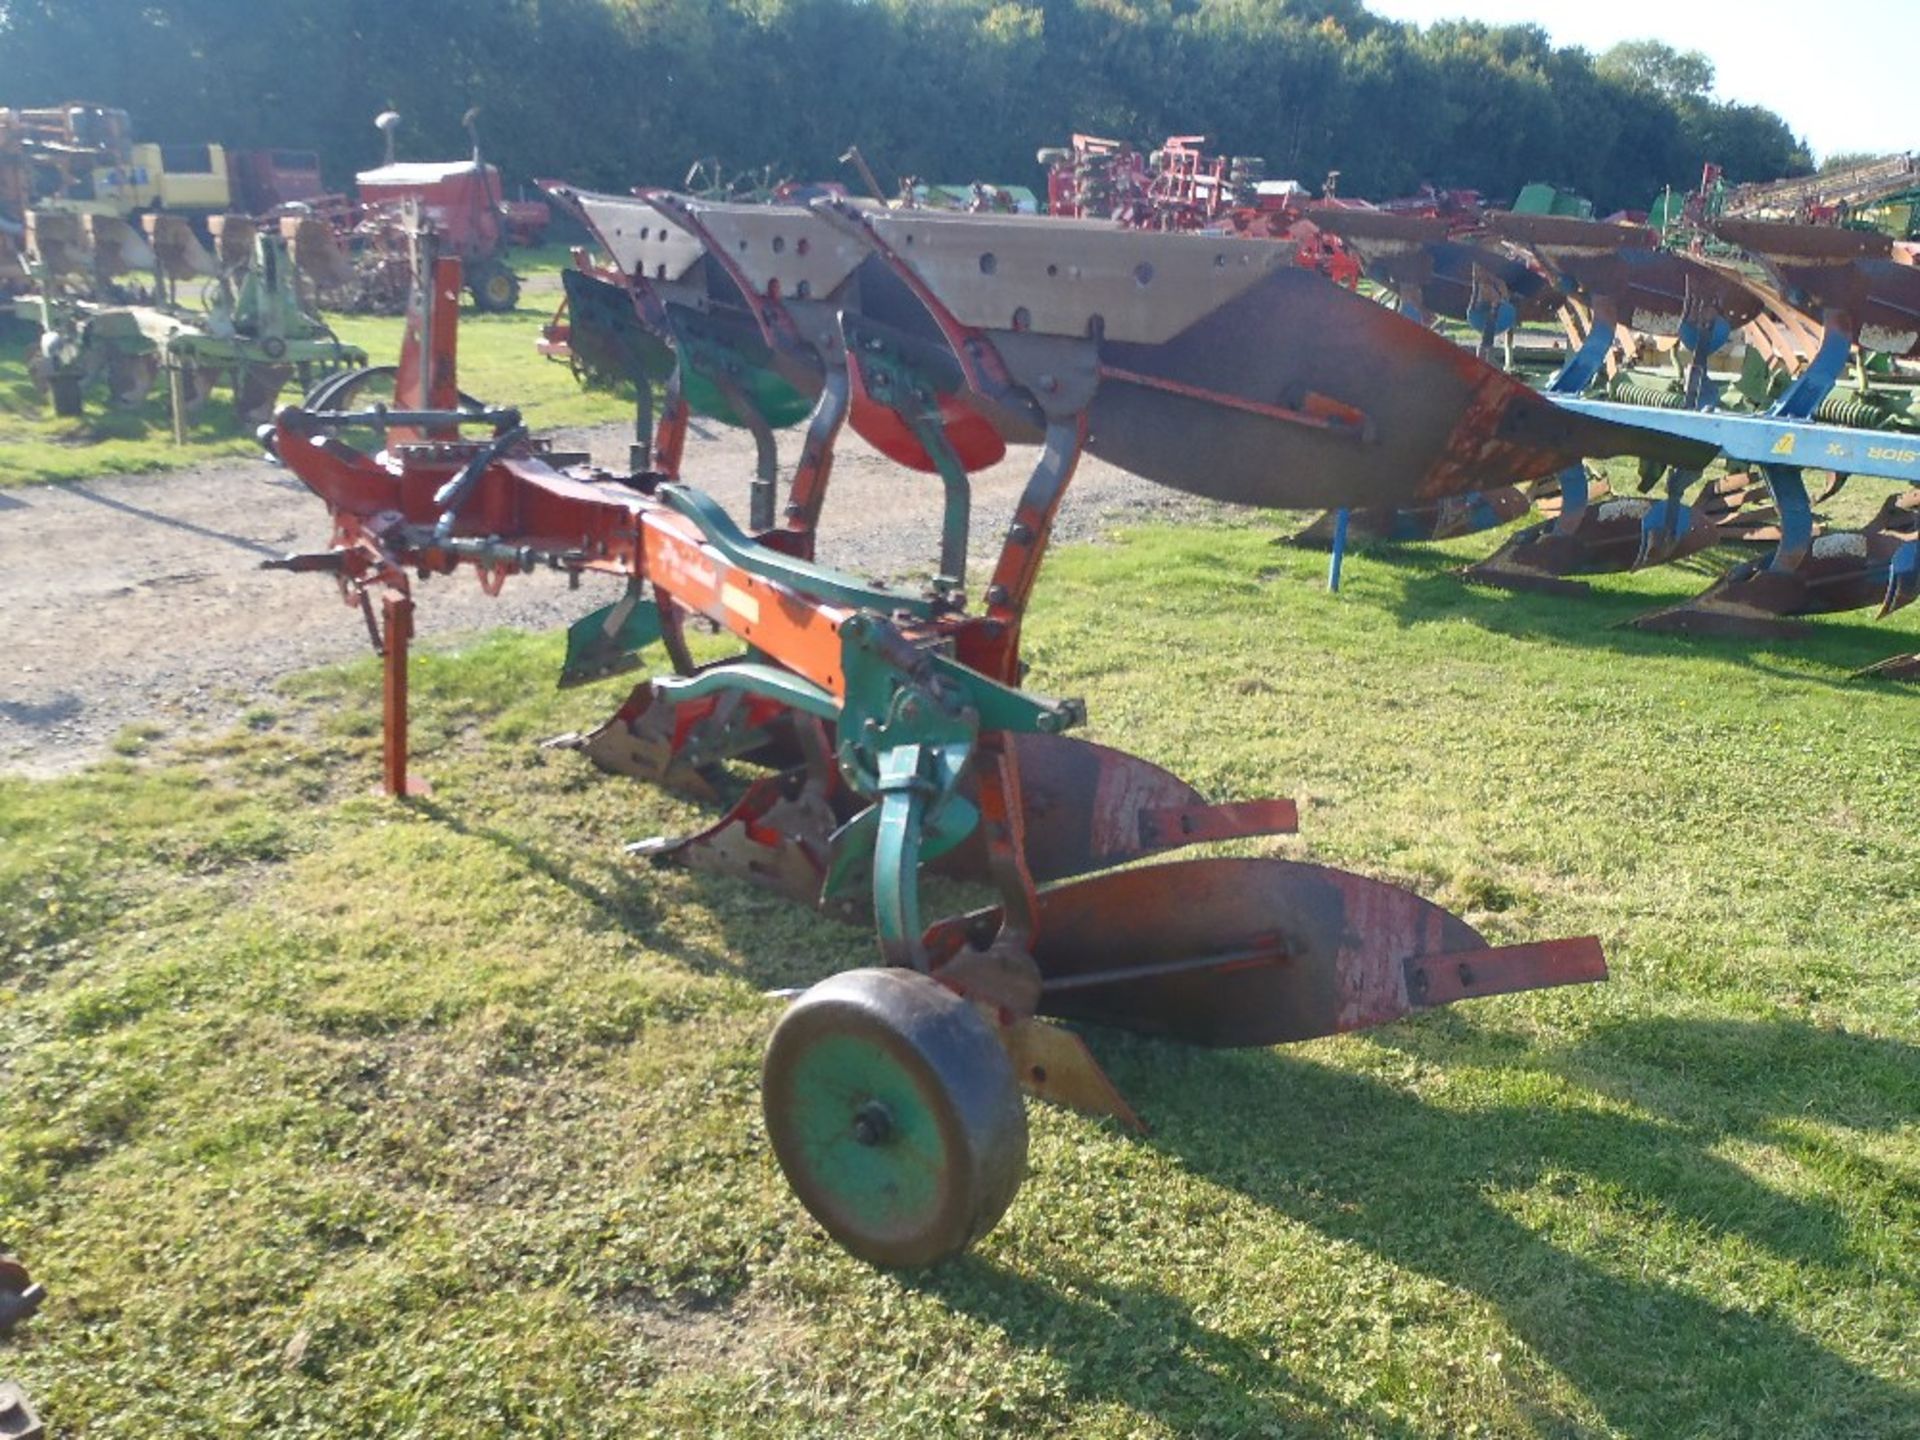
(873, 1124)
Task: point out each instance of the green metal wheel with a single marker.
(895, 1114)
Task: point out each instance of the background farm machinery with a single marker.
(1594, 310)
(124, 307)
(1806, 308)
(361, 249)
(873, 750)
(81, 160)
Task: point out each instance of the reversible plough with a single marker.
(1432, 271)
(867, 737)
(1827, 299)
(1867, 303)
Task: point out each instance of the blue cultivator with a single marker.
(1867, 301)
(1628, 284)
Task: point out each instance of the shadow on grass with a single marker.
(1638, 1141)
(1363, 1162)
(1150, 1353)
(626, 901)
(1629, 1151)
(1429, 591)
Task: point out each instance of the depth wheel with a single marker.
(894, 1112)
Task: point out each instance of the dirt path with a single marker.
(139, 599)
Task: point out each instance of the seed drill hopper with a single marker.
(867, 737)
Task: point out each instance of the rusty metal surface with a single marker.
(1842, 570)
(1436, 420)
(1855, 272)
(1422, 259)
(1261, 952)
(1241, 952)
(1652, 289)
(1607, 537)
(1089, 807)
(1503, 970)
(1446, 519)
(1900, 667)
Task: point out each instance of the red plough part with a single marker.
(869, 736)
(1433, 270)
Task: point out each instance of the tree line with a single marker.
(613, 93)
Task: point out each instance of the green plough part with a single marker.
(609, 343)
(718, 530)
(750, 677)
(705, 357)
(608, 641)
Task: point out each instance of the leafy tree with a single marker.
(614, 93)
(1675, 75)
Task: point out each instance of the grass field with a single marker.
(329, 1115)
(497, 362)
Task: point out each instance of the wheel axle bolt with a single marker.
(872, 1124)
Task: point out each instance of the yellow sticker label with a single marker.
(740, 602)
(1784, 445)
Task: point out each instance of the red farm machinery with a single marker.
(869, 740)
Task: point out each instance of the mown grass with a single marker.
(329, 1115)
(497, 362)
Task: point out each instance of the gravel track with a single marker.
(138, 600)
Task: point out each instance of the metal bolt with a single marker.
(1019, 534)
(872, 1124)
(996, 594)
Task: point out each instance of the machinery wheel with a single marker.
(19, 1296)
(894, 1112)
(362, 389)
(496, 290)
(68, 403)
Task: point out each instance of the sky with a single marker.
(1841, 74)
